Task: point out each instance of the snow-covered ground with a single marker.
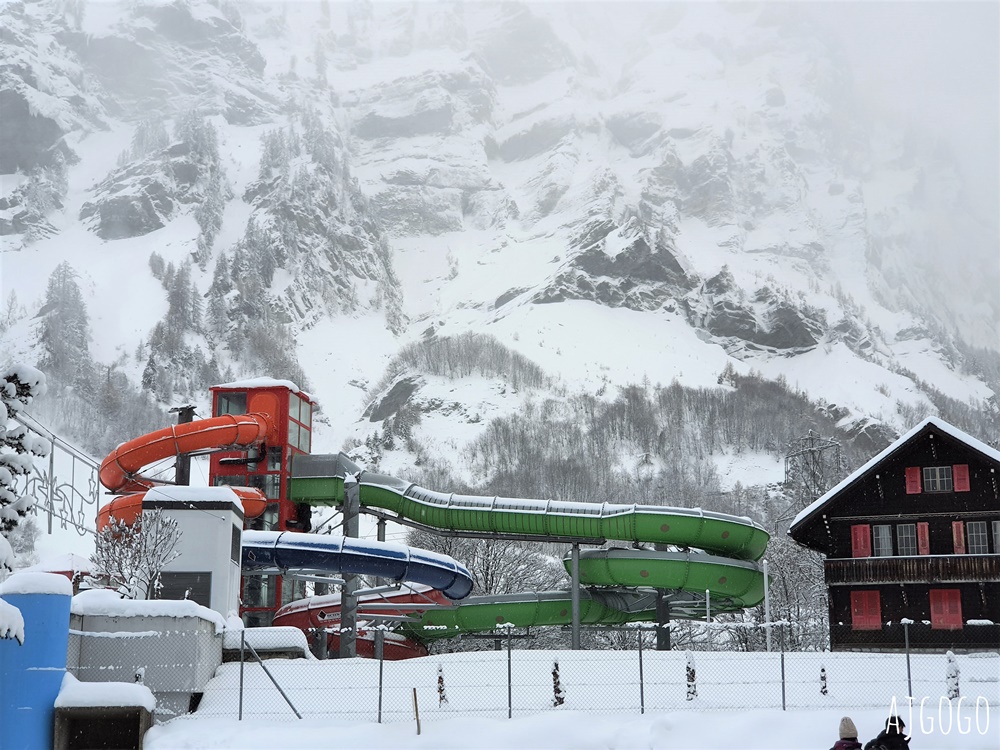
(738, 702)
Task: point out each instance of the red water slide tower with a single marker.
(267, 469)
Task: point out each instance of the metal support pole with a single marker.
(379, 627)
(575, 597)
(642, 682)
(348, 601)
(767, 607)
(909, 676)
(708, 617)
(510, 678)
(662, 621)
(52, 478)
(182, 470)
(243, 642)
(381, 664)
(782, 667)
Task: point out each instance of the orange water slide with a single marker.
(120, 471)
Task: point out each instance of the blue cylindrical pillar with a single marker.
(31, 674)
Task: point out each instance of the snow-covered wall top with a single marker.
(98, 602)
(76, 694)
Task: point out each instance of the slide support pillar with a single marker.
(380, 631)
(182, 472)
(575, 597)
(348, 599)
(662, 621)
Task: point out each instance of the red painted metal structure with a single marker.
(266, 470)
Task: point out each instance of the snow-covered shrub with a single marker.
(951, 676)
(442, 696)
(558, 696)
(692, 685)
(822, 681)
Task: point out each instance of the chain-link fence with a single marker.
(517, 680)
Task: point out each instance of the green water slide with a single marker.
(717, 564)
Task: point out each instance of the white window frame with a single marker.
(996, 537)
(906, 539)
(882, 540)
(977, 541)
(938, 479)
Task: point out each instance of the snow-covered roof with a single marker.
(65, 563)
(193, 495)
(273, 637)
(11, 622)
(109, 603)
(265, 383)
(76, 694)
(32, 582)
(950, 430)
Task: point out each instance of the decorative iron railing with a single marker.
(65, 485)
(927, 569)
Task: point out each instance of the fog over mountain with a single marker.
(468, 228)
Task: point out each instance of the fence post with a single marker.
(642, 684)
(906, 644)
(510, 689)
(243, 640)
(380, 655)
(767, 608)
(782, 631)
(708, 618)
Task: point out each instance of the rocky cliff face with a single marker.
(453, 166)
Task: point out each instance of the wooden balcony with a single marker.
(922, 637)
(927, 569)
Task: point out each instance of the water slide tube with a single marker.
(290, 550)
(726, 571)
(319, 480)
(119, 472)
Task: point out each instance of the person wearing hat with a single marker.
(848, 736)
(892, 737)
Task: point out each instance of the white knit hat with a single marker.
(847, 729)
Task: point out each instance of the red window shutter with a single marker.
(861, 540)
(946, 609)
(923, 539)
(866, 610)
(912, 480)
(960, 477)
(958, 536)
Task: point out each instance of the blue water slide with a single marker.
(289, 550)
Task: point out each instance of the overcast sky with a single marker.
(938, 65)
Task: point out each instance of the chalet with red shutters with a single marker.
(915, 534)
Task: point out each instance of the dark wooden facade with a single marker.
(913, 535)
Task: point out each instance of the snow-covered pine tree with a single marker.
(19, 447)
(64, 332)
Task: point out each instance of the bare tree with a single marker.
(132, 557)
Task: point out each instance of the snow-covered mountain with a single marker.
(604, 195)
